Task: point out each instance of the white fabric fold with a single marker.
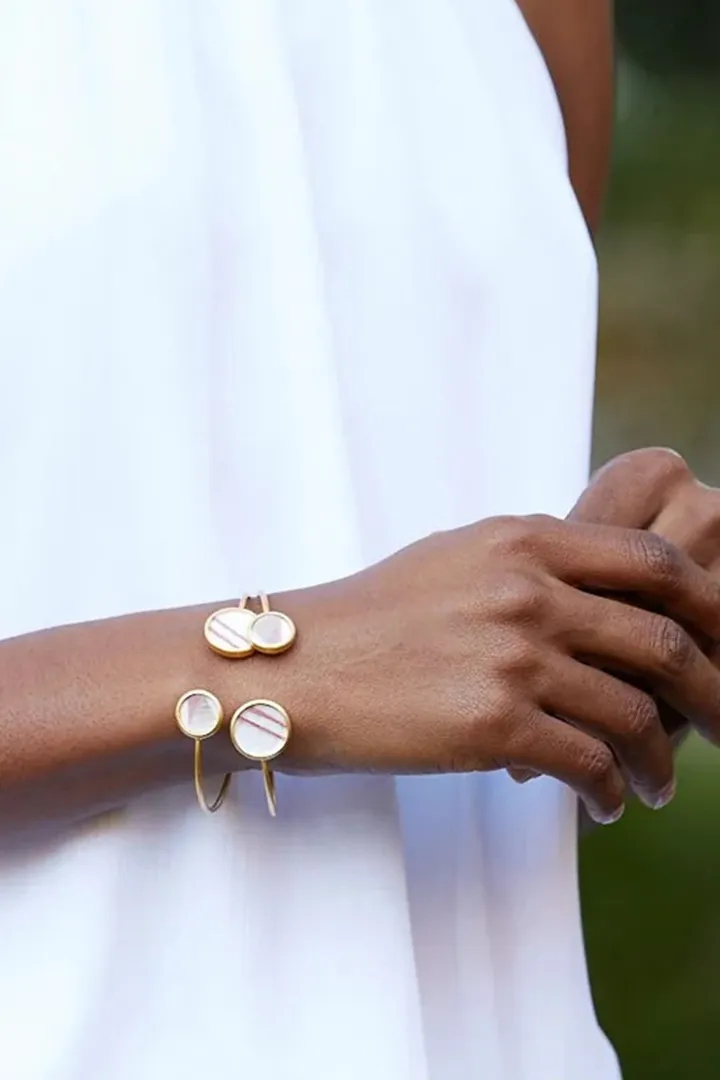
(285, 285)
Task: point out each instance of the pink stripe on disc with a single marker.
(260, 731)
(228, 630)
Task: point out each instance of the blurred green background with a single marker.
(651, 885)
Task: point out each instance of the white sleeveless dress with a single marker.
(285, 284)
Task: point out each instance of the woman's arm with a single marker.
(459, 653)
(87, 713)
(576, 38)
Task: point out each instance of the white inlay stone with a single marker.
(227, 631)
(260, 730)
(199, 714)
(272, 632)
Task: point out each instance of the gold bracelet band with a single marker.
(199, 714)
(213, 807)
(270, 792)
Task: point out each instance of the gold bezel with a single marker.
(235, 719)
(206, 694)
(274, 650)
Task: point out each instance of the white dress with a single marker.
(285, 284)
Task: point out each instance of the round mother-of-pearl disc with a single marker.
(199, 714)
(227, 631)
(260, 730)
(272, 632)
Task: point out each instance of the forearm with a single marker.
(87, 713)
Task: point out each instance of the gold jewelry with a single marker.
(272, 632)
(199, 714)
(227, 631)
(260, 730)
(237, 632)
(270, 791)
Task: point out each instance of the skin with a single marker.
(461, 652)
(655, 489)
(576, 38)
(513, 670)
(94, 703)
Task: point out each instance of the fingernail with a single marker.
(666, 795)
(655, 800)
(603, 818)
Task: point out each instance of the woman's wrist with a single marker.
(297, 680)
(87, 711)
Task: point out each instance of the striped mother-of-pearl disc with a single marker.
(272, 632)
(199, 714)
(227, 631)
(260, 730)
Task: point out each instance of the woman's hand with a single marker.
(489, 647)
(504, 644)
(655, 489)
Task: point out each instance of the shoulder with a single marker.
(576, 39)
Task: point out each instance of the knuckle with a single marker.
(513, 534)
(541, 522)
(660, 559)
(507, 534)
(708, 500)
(520, 597)
(660, 465)
(521, 662)
(672, 646)
(641, 718)
(598, 764)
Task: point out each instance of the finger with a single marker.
(550, 747)
(623, 716)
(521, 776)
(631, 490)
(610, 559)
(628, 639)
(692, 522)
